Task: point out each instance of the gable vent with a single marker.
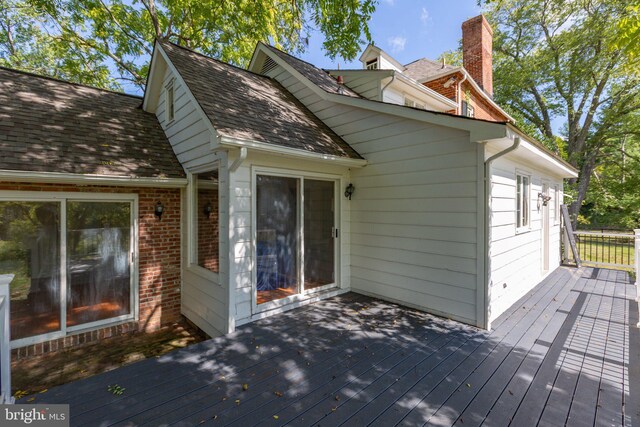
(269, 65)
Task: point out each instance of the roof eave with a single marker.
(233, 142)
(91, 179)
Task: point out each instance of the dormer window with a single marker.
(170, 102)
(372, 65)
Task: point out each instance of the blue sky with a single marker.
(407, 30)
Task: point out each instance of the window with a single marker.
(523, 200)
(556, 203)
(372, 65)
(170, 102)
(72, 261)
(468, 110)
(206, 221)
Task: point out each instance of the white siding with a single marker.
(367, 86)
(414, 213)
(189, 133)
(516, 257)
(392, 96)
(204, 295)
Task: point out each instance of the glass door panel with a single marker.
(99, 269)
(319, 239)
(277, 245)
(30, 250)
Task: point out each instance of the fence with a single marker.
(5, 340)
(614, 250)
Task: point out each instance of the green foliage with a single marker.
(452, 57)
(81, 39)
(568, 61)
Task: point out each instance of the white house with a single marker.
(298, 184)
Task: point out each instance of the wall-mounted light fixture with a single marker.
(207, 210)
(159, 210)
(544, 199)
(348, 192)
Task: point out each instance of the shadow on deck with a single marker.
(568, 352)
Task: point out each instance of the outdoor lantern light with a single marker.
(544, 198)
(348, 192)
(208, 209)
(159, 210)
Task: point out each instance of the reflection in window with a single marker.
(277, 237)
(206, 220)
(98, 269)
(30, 250)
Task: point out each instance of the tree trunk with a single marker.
(586, 171)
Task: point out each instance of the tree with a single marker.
(109, 42)
(558, 60)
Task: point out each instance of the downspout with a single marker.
(393, 78)
(237, 162)
(459, 94)
(487, 213)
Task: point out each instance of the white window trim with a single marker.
(170, 103)
(303, 294)
(192, 212)
(524, 228)
(63, 198)
(556, 204)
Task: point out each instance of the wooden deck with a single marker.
(566, 353)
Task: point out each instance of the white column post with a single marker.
(5, 340)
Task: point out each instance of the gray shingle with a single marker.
(424, 68)
(245, 105)
(319, 77)
(48, 125)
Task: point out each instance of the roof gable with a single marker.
(244, 105)
(49, 125)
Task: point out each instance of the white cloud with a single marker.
(424, 16)
(390, 2)
(397, 43)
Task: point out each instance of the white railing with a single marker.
(5, 340)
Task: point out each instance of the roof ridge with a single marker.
(58, 80)
(213, 59)
(294, 57)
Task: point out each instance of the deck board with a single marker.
(567, 353)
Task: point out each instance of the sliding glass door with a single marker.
(295, 237)
(319, 233)
(72, 264)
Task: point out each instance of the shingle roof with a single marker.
(49, 125)
(317, 76)
(423, 68)
(242, 104)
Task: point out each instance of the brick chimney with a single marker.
(477, 51)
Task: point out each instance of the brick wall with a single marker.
(483, 110)
(450, 92)
(208, 230)
(159, 262)
(477, 51)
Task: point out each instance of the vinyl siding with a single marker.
(516, 256)
(414, 212)
(189, 132)
(204, 295)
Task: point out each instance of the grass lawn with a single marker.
(608, 250)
